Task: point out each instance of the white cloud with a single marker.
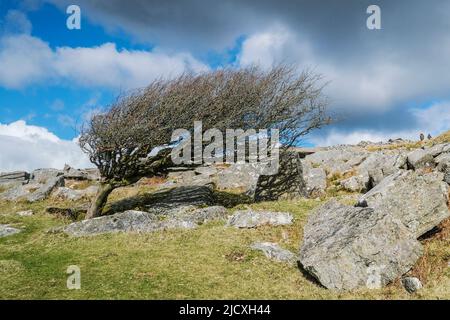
(26, 60)
(379, 82)
(26, 147)
(432, 120)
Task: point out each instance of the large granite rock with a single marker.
(253, 219)
(138, 221)
(6, 230)
(418, 200)
(443, 165)
(288, 182)
(347, 248)
(373, 169)
(424, 158)
(43, 182)
(44, 175)
(239, 176)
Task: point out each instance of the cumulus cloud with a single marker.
(432, 120)
(27, 147)
(26, 60)
(370, 86)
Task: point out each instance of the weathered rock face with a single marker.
(315, 179)
(419, 201)
(274, 252)
(14, 177)
(288, 182)
(253, 219)
(347, 248)
(244, 176)
(44, 175)
(6, 230)
(357, 183)
(425, 158)
(443, 165)
(44, 190)
(43, 182)
(234, 176)
(138, 221)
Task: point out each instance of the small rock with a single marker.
(411, 284)
(274, 252)
(6, 230)
(253, 219)
(25, 213)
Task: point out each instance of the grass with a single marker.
(210, 262)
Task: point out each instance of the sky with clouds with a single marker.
(388, 83)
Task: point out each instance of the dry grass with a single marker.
(443, 138)
(152, 181)
(433, 265)
(78, 184)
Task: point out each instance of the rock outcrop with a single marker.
(418, 200)
(347, 248)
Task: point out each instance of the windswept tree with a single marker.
(119, 141)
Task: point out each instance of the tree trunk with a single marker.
(100, 200)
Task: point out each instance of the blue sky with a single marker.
(388, 83)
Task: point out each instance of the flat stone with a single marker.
(6, 230)
(253, 219)
(274, 252)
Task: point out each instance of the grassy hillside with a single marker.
(211, 262)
